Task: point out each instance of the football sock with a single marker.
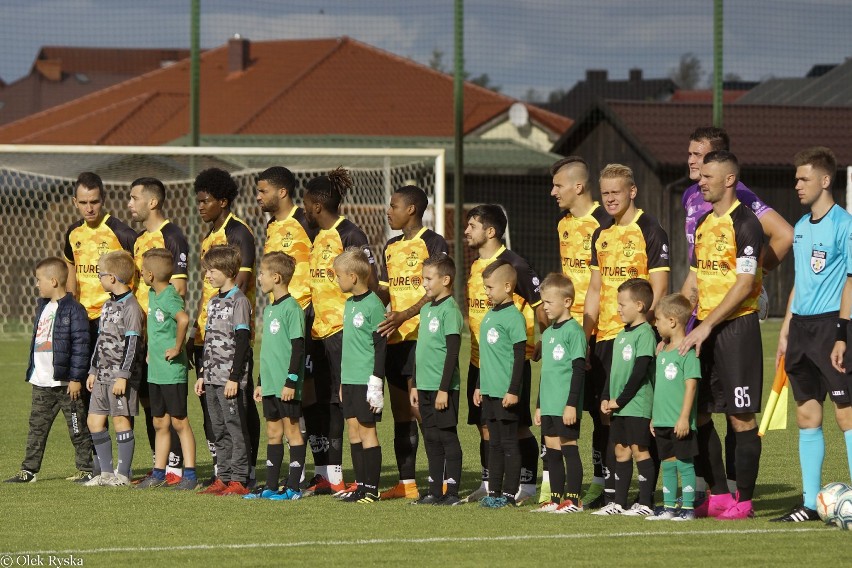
(358, 462)
(609, 473)
(709, 461)
(647, 481)
(317, 436)
(556, 467)
(435, 457)
(484, 455)
(372, 458)
(405, 441)
(496, 463)
(335, 451)
(103, 448)
(189, 473)
(811, 457)
(748, 462)
(297, 466)
(176, 452)
(159, 474)
(669, 468)
(274, 458)
(687, 480)
(730, 453)
(453, 459)
(623, 477)
(126, 445)
(512, 458)
(847, 435)
(529, 452)
(600, 440)
(573, 472)
(655, 459)
(253, 427)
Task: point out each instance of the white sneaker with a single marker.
(100, 480)
(118, 480)
(638, 510)
(478, 493)
(525, 491)
(610, 509)
(665, 515)
(546, 507)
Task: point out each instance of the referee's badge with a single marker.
(817, 261)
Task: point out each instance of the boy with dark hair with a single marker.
(114, 374)
(435, 385)
(280, 392)
(58, 363)
(560, 399)
(400, 286)
(362, 371)
(225, 370)
(628, 396)
(500, 386)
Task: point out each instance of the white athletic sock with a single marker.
(174, 470)
(335, 474)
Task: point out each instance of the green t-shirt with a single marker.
(283, 321)
(673, 370)
(437, 321)
(162, 334)
(501, 328)
(561, 344)
(361, 317)
(629, 345)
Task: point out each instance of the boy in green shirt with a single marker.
(560, 395)
(436, 380)
(628, 396)
(167, 369)
(673, 423)
(502, 346)
(362, 371)
(283, 348)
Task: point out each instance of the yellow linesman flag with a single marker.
(775, 413)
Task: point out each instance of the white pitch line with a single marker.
(431, 540)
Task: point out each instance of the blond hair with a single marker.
(560, 283)
(618, 171)
(120, 264)
(223, 258)
(675, 306)
(355, 261)
(281, 264)
(54, 267)
(160, 262)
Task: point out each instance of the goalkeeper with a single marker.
(362, 371)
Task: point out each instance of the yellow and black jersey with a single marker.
(575, 250)
(526, 297)
(84, 245)
(402, 275)
(236, 233)
(328, 300)
(725, 246)
(292, 236)
(167, 236)
(622, 252)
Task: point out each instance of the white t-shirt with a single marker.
(42, 375)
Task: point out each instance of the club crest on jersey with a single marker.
(627, 352)
(416, 281)
(558, 352)
(103, 247)
(327, 252)
(565, 235)
(587, 242)
(411, 260)
(724, 268)
(629, 249)
(492, 336)
(274, 326)
(632, 272)
(721, 243)
(287, 239)
(434, 324)
(671, 371)
(358, 320)
(817, 261)
(330, 274)
(161, 317)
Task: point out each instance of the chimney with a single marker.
(635, 75)
(238, 54)
(596, 75)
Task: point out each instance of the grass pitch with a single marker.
(56, 521)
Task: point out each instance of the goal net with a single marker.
(37, 185)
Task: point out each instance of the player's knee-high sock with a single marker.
(556, 466)
(452, 459)
(669, 468)
(529, 452)
(358, 462)
(730, 454)
(274, 458)
(405, 441)
(600, 440)
(749, 447)
(372, 469)
(655, 460)
(253, 425)
(316, 426)
(175, 461)
(647, 482)
(687, 481)
(297, 466)
(126, 445)
(545, 468)
(847, 435)
(811, 457)
(335, 449)
(103, 449)
(512, 457)
(709, 460)
(573, 472)
(484, 455)
(623, 477)
(609, 472)
(436, 458)
(496, 465)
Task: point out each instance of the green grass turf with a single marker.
(115, 526)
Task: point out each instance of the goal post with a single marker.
(37, 184)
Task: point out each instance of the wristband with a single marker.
(841, 330)
(293, 378)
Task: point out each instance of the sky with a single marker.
(542, 45)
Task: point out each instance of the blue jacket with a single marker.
(70, 340)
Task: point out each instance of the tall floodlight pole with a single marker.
(718, 67)
(458, 171)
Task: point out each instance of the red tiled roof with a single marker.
(325, 86)
(108, 59)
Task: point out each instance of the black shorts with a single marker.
(600, 363)
(168, 399)
(333, 345)
(492, 410)
(275, 409)
(669, 445)
(399, 363)
(732, 368)
(431, 418)
(355, 405)
(808, 360)
(554, 427)
(474, 413)
(630, 430)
